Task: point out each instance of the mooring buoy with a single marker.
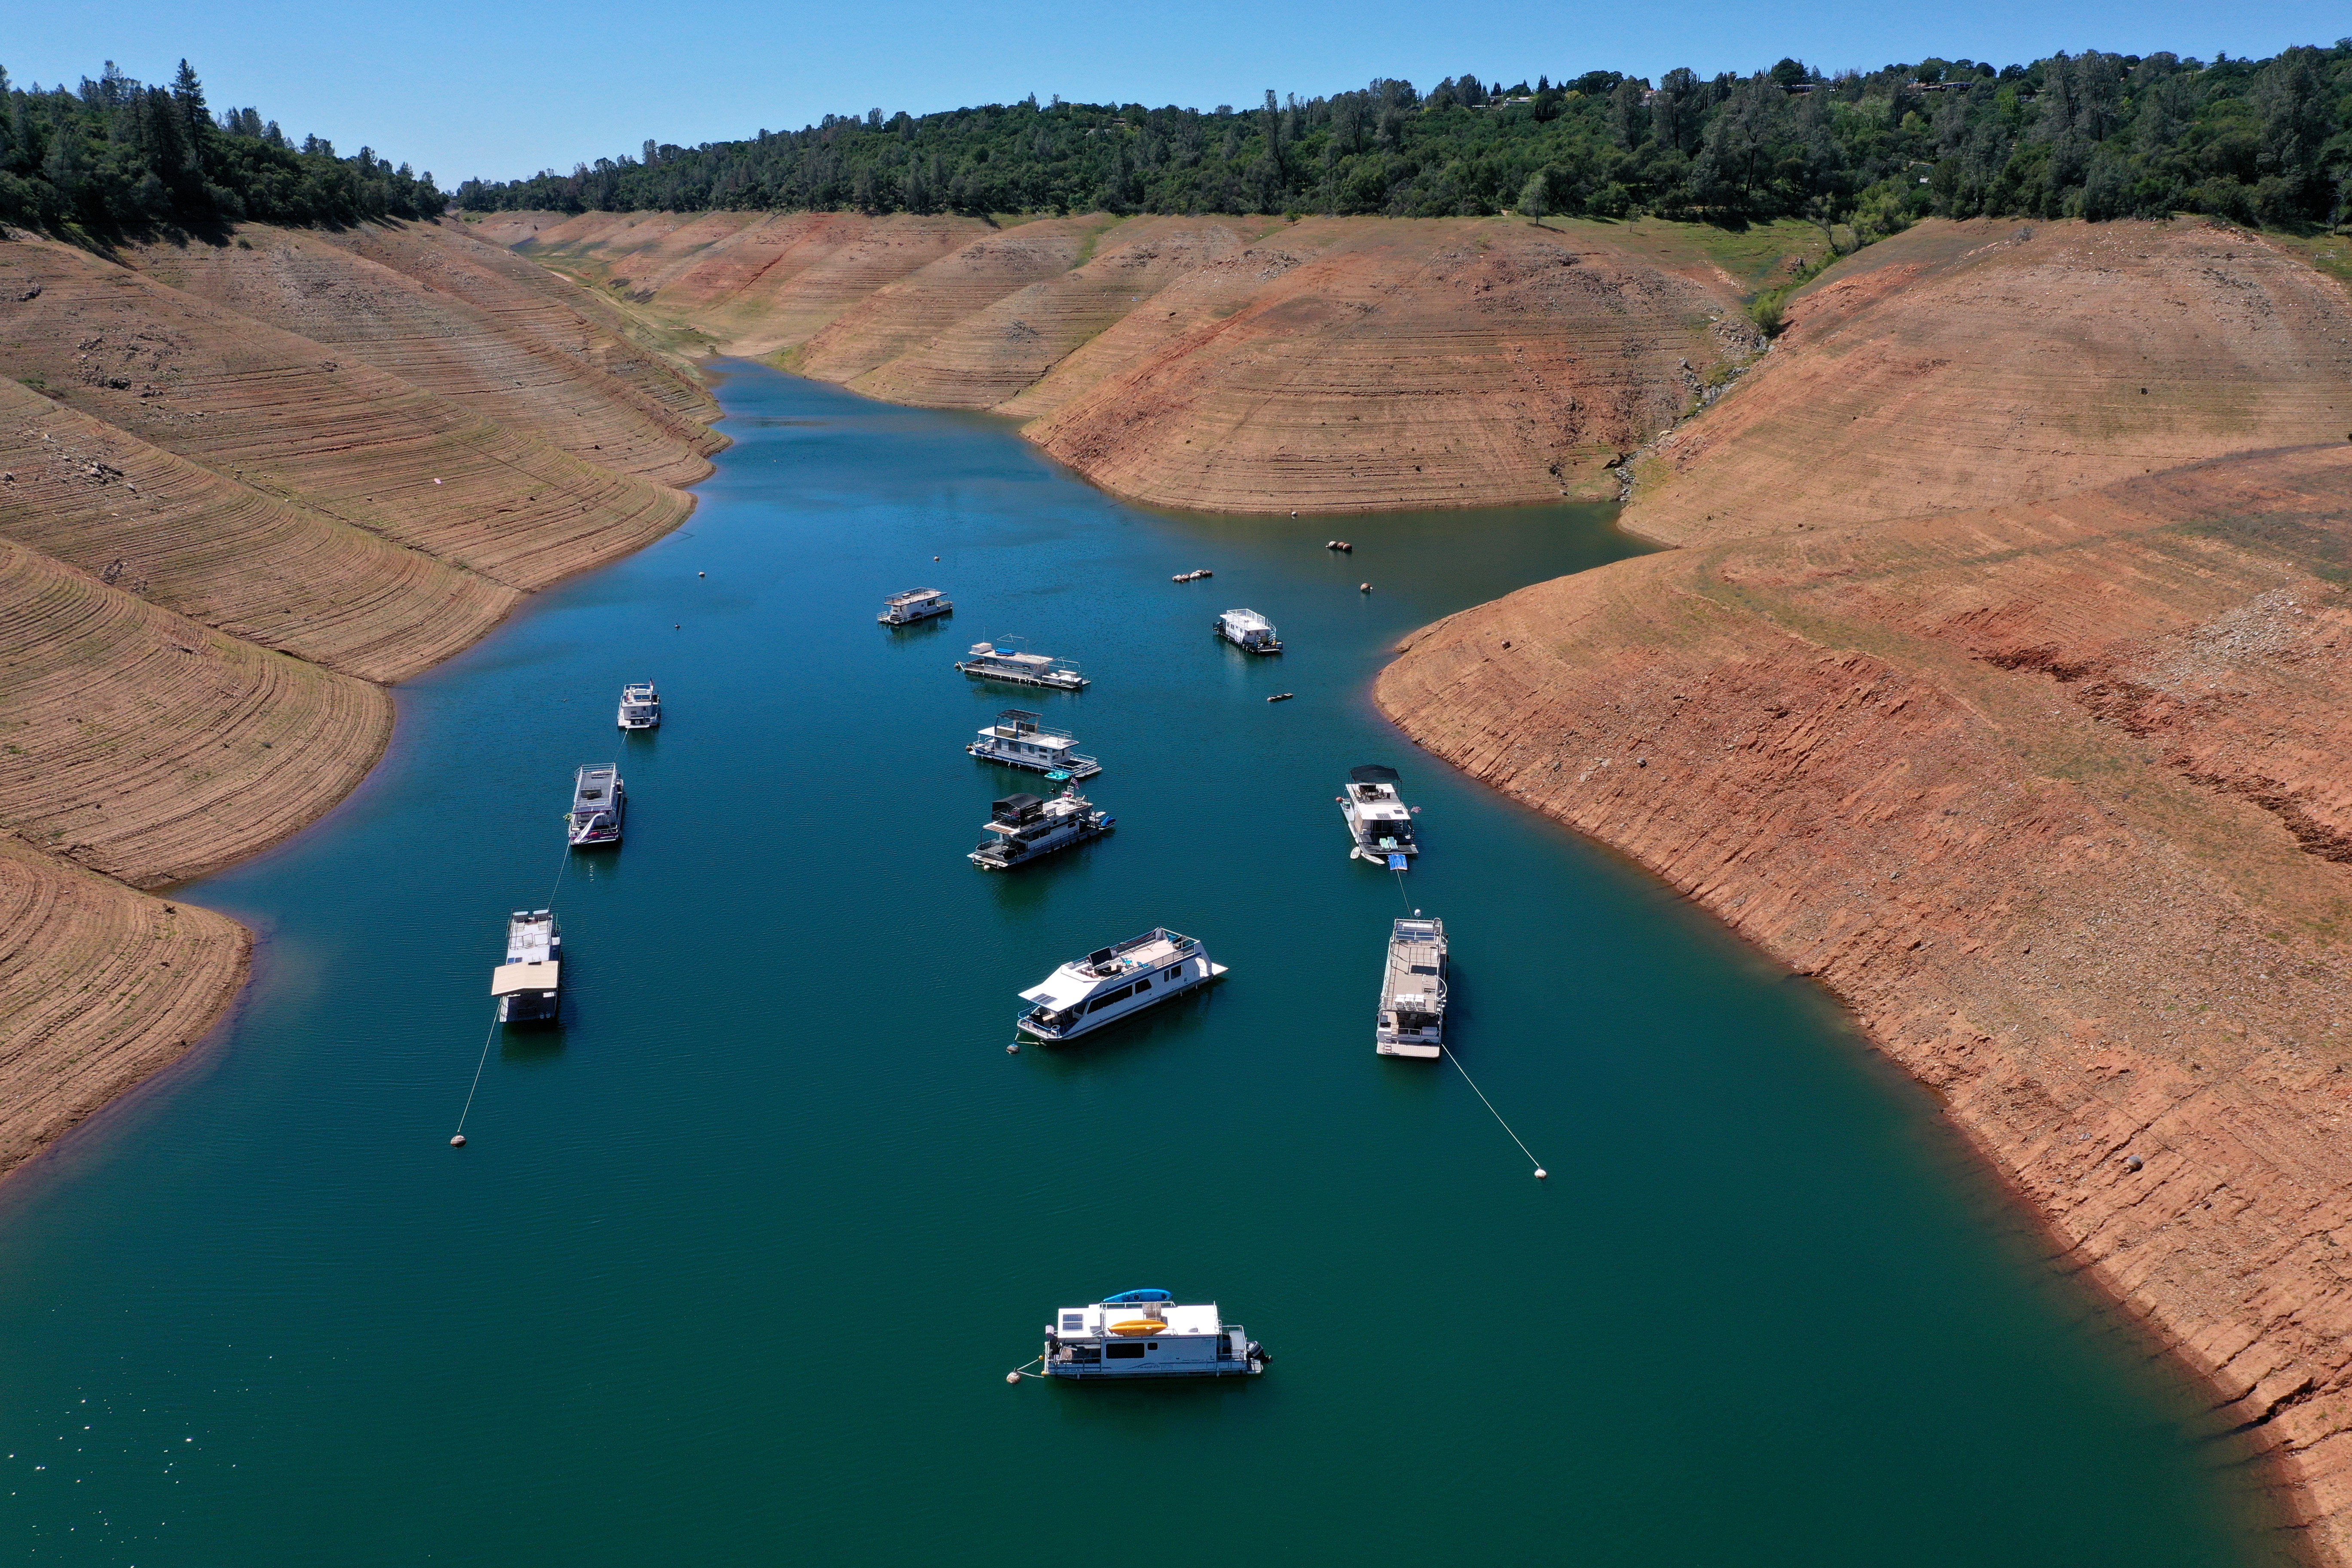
(459, 1141)
(1013, 1049)
(1542, 1174)
(1012, 1377)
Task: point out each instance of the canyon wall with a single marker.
(243, 487)
(1233, 365)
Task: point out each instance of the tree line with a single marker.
(2090, 135)
(116, 154)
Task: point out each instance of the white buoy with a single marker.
(1541, 1174)
(459, 1141)
(702, 573)
(1012, 1377)
(935, 558)
(1013, 1049)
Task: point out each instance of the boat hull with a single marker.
(1254, 1367)
(1014, 678)
(1039, 850)
(1421, 1050)
(1027, 1028)
(887, 619)
(1073, 766)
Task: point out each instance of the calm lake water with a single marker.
(736, 1260)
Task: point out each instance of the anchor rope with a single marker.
(562, 864)
(1490, 1106)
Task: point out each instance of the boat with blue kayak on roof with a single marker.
(1148, 1333)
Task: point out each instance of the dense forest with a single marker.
(2090, 135)
(116, 154)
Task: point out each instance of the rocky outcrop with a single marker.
(243, 486)
(2052, 795)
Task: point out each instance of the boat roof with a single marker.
(1018, 802)
(1025, 726)
(1373, 773)
(1248, 618)
(1107, 966)
(1090, 1321)
(535, 976)
(911, 594)
(1009, 655)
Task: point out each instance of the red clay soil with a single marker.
(102, 986)
(218, 536)
(290, 416)
(508, 371)
(1362, 365)
(996, 355)
(261, 567)
(2053, 797)
(1964, 365)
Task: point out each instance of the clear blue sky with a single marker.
(502, 88)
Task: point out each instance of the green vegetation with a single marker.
(115, 154)
(2091, 135)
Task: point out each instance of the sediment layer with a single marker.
(2052, 795)
(242, 487)
(1959, 365)
(1231, 364)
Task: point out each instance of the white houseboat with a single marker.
(1025, 828)
(986, 661)
(1016, 741)
(1145, 1333)
(1115, 982)
(599, 800)
(640, 706)
(529, 984)
(1377, 818)
(914, 605)
(1248, 630)
(1412, 990)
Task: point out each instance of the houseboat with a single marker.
(599, 800)
(1114, 983)
(1412, 990)
(986, 661)
(640, 706)
(1025, 828)
(1248, 630)
(1017, 741)
(529, 984)
(1377, 818)
(914, 605)
(1145, 1333)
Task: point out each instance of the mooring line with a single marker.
(459, 1136)
(1540, 1173)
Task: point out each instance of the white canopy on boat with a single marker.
(537, 975)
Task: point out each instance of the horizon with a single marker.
(468, 118)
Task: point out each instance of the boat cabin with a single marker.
(599, 800)
(1113, 983)
(1412, 1020)
(914, 605)
(640, 706)
(1248, 630)
(986, 661)
(1148, 1333)
(1378, 817)
(1019, 740)
(529, 984)
(1022, 828)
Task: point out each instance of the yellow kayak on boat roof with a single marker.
(1138, 1326)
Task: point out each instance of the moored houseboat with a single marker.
(1147, 1334)
(599, 800)
(1248, 630)
(640, 706)
(1411, 1021)
(1115, 982)
(530, 983)
(1025, 828)
(986, 661)
(1377, 818)
(914, 605)
(1018, 740)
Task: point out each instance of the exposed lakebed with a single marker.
(737, 1259)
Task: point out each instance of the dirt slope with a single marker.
(995, 355)
(139, 744)
(482, 361)
(218, 537)
(100, 987)
(291, 417)
(2054, 796)
(257, 566)
(903, 315)
(1959, 365)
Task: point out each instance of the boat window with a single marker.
(1074, 1323)
(1424, 969)
(1123, 1352)
(1108, 997)
(1143, 986)
(1171, 973)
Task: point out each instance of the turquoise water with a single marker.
(736, 1261)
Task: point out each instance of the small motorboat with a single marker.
(1282, 697)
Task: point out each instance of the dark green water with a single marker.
(736, 1263)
